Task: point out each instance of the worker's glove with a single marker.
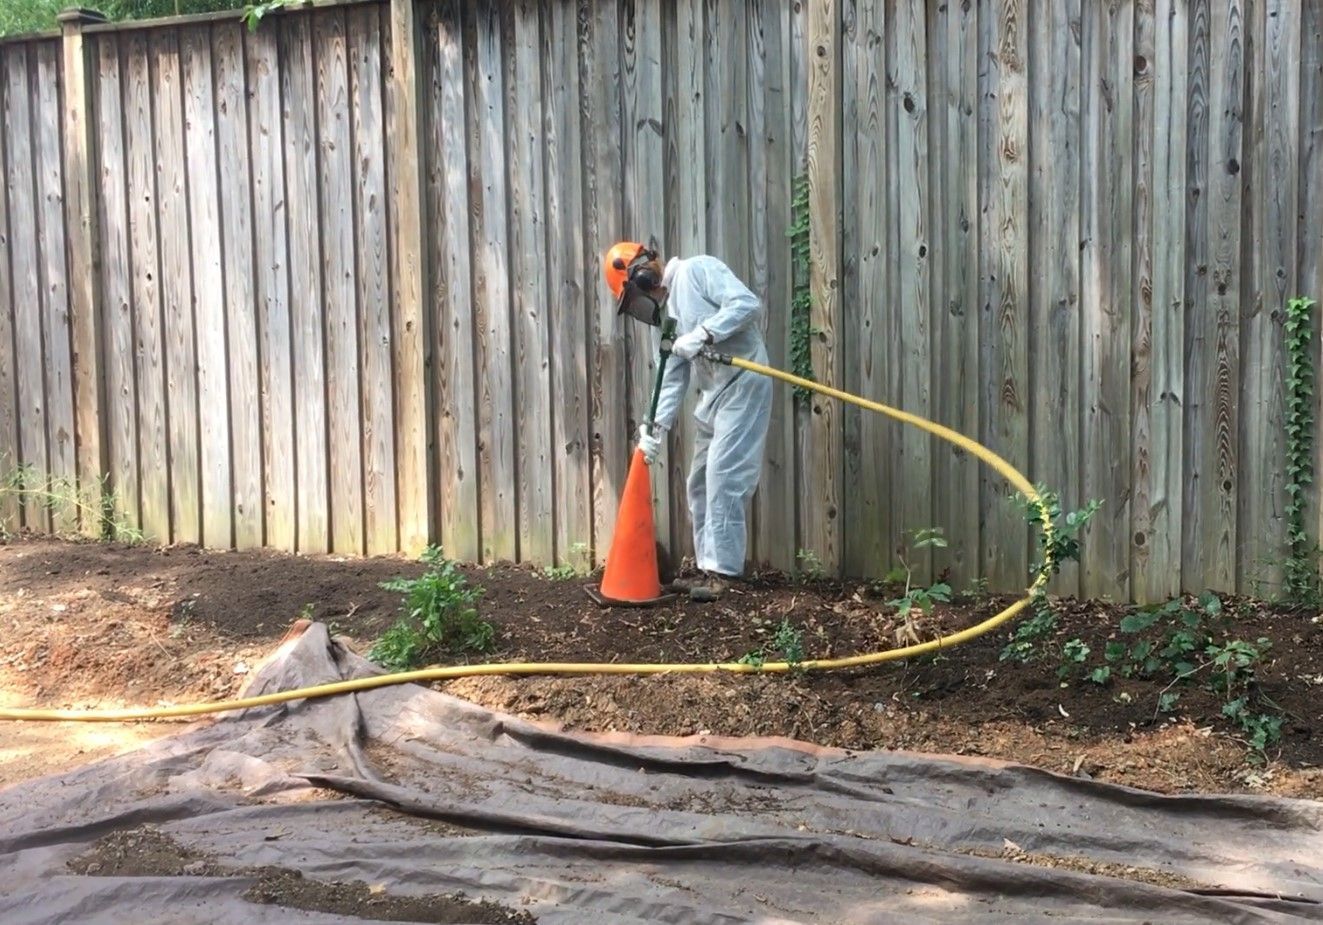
(687, 346)
(650, 441)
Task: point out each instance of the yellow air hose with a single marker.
(608, 668)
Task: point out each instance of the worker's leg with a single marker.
(734, 465)
(697, 488)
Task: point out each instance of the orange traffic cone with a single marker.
(632, 576)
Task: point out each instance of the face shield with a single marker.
(645, 305)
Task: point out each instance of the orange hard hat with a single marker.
(615, 265)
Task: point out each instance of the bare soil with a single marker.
(90, 624)
(149, 852)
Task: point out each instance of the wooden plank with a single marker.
(149, 326)
(116, 286)
(298, 95)
(409, 274)
(81, 242)
(532, 371)
(642, 153)
(599, 78)
(869, 523)
(491, 287)
(338, 231)
(955, 293)
(455, 379)
(686, 233)
(1003, 365)
(26, 287)
(774, 509)
(234, 163)
(565, 262)
(11, 518)
(1209, 552)
(822, 527)
(1309, 241)
(53, 272)
(913, 485)
(1157, 520)
(1054, 234)
(372, 274)
(208, 287)
(1273, 55)
(1108, 181)
(271, 288)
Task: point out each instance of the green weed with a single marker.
(439, 615)
(787, 643)
(62, 497)
(801, 301)
(1300, 577)
(913, 598)
(810, 566)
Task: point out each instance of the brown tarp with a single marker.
(422, 793)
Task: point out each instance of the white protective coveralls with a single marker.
(733, 405)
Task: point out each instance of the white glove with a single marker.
(686, 346)
(651, 443)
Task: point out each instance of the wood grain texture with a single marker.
(11, 518)
(1213, 350)
(151, 341)
(1269, 280)
(120, 409)
(234, 164)
(491, 285)
(452, 298)
(871, 446)
(566, 301)
(599, 80)
(372, 276)
(338, 234)
(914, 225)
(1003, 365)
(686, 220)
(953, 96)
(410, 276)
(82, 243)
(271, 288)
(642, 154)
(1157, 513)
(528, 290)
(208, 286)
(53, 274)
(774, 510)
(1309, 240)
(299, 124)
(1054, 235)
(25, 286)
(822, 524)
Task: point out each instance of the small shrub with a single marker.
(438, 616)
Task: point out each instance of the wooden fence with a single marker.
(333, 285)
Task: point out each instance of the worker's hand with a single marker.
(650, 441)
(687, 346)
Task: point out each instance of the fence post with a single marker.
(81, 227)
(411, 422)
(823, 530)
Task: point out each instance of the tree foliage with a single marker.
(19, 17)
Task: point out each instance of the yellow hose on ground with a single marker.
(1018, 481)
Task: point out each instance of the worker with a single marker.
(712, 310)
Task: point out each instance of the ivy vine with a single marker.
(801, 303)
(1301, 578)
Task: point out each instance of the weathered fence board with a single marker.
(452, 306)
(272, 289)
(150, 350)
(10, 413)
(234, 163)
(372, 272)
(116, 286)
(346, 270)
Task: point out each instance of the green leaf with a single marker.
(1167, 701)
(1137, 622)
(1114, 651)
(1100, 675)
